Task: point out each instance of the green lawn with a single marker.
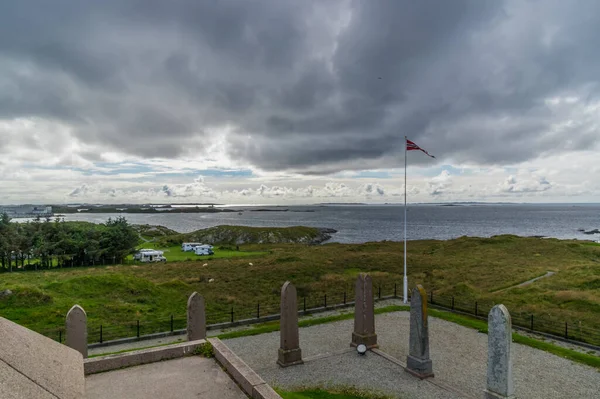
(341, 393)
(175, 254)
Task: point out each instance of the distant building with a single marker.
(26, 211)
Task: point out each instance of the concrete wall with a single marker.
(33, 366)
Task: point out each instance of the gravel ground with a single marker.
(370, 372)
(459, 357)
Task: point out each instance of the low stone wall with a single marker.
(135, 358)
(245, 377)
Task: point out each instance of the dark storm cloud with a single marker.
(309, 86)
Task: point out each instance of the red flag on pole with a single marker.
(410, 146)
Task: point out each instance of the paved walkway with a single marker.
(459, 357)
(188, 377)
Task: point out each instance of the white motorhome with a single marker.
(189, 246)
(204, 250)
(150, 255)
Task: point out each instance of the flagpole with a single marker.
(405, 297)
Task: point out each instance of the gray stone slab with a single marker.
(289, 349)
(14, 385)
(188, 377)
(364, 313)
(76, 329)
(500, 382)
(53, 367)
(196, 318)
(418, 361)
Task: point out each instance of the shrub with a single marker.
(205, 350)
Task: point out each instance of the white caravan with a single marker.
(204, 250)
(150, 255)
(189, 246)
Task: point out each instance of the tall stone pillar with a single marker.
(76, 329)
(499, 368)
(364, 313)
(418, 362)
(289, 352)
(196, 317)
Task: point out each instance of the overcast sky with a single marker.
(277, 101)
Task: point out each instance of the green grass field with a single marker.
(471, 269)
(175, 254)
(341, 393)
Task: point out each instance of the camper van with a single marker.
(189, 246)
(204, 250)
(150, 255)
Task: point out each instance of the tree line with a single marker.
(45, 244)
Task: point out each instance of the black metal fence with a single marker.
(574, 330)
(223, 315)
(226, 315)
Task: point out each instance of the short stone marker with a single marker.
(499, 368)
(364, 313)
(418, 362)
(76, 329)
(289, 352)
(196, 317)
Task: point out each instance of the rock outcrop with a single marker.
(240, 235)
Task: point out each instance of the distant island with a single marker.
(342, 203)
(61, 209)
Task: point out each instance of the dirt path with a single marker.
(548, 274)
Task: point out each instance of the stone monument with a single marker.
(196, 317)
(499, 367)
(289, 352)
(364, 313)
(418, 362)
(76, 329)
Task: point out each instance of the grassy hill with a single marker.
(471, 269)
(239, 235)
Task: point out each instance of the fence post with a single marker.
(379, 293)
(258, 310)
(531, 322)
(325, 301)
(344, 297)
(138, 328)
(100, 333)
(232, 314)
(431, 295)
(60, 336)
(394, 290)
(171, 323)
(452, 302)
(475, 308)
(304, 304)
(566, 330)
